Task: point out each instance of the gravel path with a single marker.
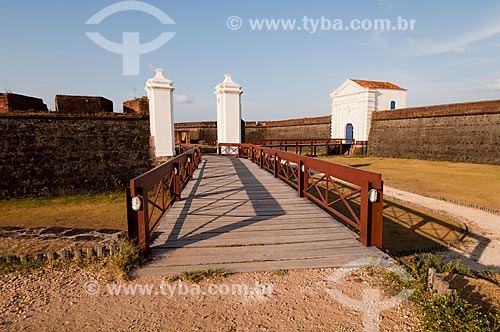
(77, 299)
(481, 247)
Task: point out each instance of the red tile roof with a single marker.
(377, 85)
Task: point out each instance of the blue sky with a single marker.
(452, 54)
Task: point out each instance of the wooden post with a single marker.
(196, 159)
(275, 165)
(138, 224)
(132, 218)
(261, 158)
(190, 162)
(305, 181)
(301, 183)
(177, 182)
(365, 222)
(375, 215)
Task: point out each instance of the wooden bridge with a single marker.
(235, 216)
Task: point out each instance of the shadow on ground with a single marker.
(408, 229)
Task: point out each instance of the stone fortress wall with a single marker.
(462, 132)
(81, 148)
(84, 147)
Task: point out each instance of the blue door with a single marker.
(349, 133)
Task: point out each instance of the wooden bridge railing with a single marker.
(311, 143)
(151, 194)
(353, 195)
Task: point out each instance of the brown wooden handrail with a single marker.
(312, 143)
(156, 191)
(343, 191)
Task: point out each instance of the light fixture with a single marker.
(136, 203)
(373, 195)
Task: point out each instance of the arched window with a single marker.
(349, 133)
(393, 104)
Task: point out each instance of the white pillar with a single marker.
(228, 111)
(161, 115)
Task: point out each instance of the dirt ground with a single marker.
(82, 299)
(478, 291)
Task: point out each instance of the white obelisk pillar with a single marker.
(228, 111)
(160, 92)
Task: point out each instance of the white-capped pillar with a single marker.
(161, 114)
(228, 111)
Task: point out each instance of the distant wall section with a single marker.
(137, 105)
(464, 132)
(14, 102)
(317, 127)
(206, 132)
(82, 104)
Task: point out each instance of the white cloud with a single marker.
(495, 86)
(183, 99)
(430, 46)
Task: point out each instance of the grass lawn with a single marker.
(80, 211)
(466, 182)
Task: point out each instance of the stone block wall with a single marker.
(82, 104)
(196, 132)
(4, 103)
(464, 132)
(137, 105)
(14, 102)
(317, 127)
(49, 154)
